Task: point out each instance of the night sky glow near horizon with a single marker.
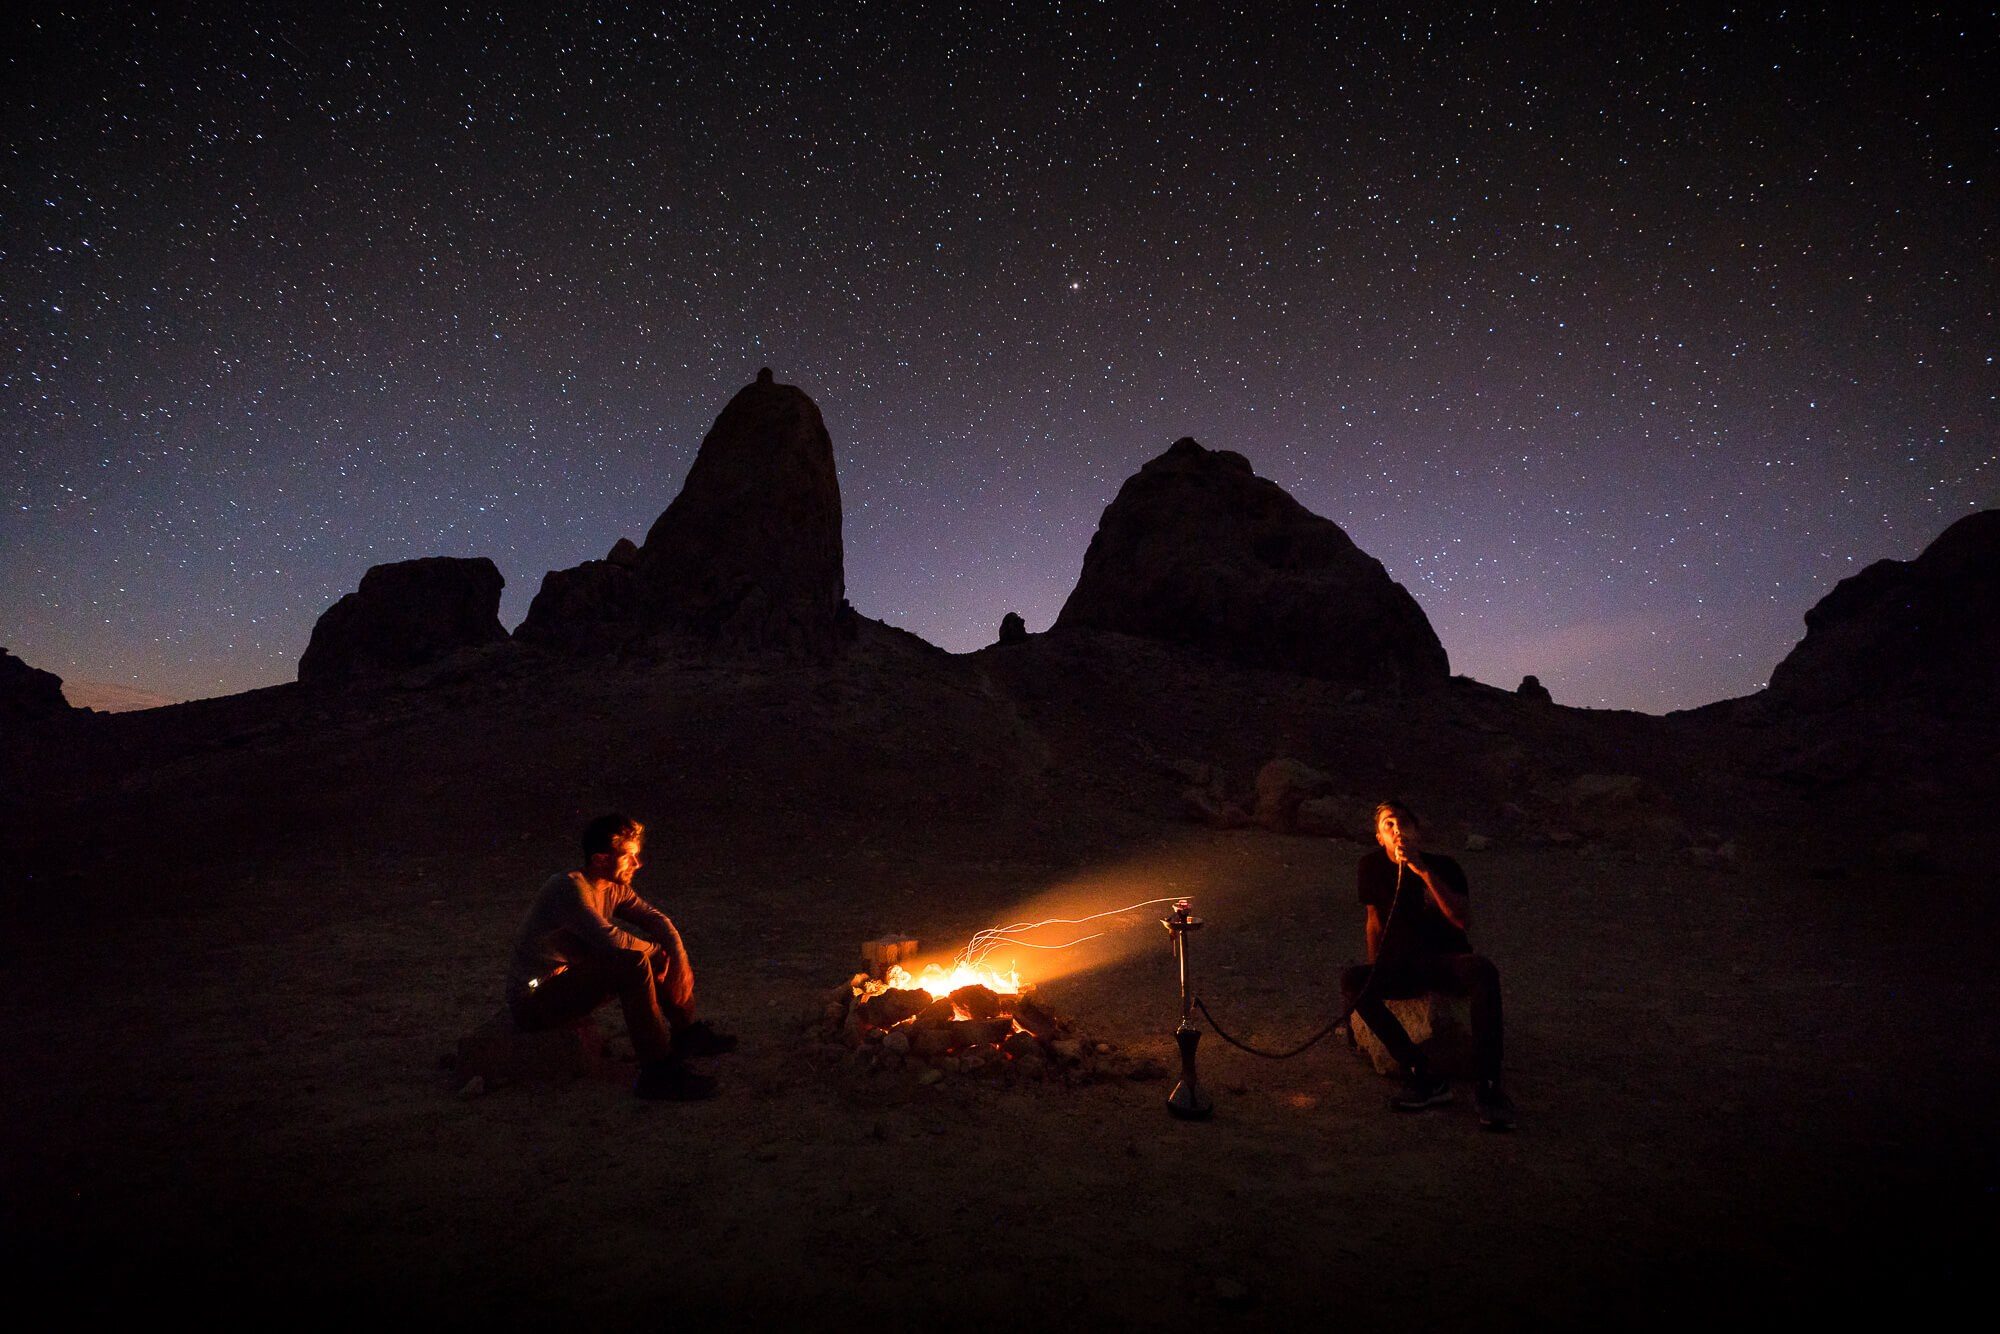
(1618, 339)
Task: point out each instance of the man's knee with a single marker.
(633, 966)
(1480, 973)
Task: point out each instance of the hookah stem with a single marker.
(1181, 957)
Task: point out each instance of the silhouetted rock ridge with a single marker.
(1196, 549)
(29, 694)
(1927, 629)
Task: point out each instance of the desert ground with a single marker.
(240, 934)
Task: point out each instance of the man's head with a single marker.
(1397, 829)
(611, 846)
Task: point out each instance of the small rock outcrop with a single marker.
(1925, 630)
(1531, 688)
(1196, 549)
(29, 694)
(1013, 630)
(406, 614)
(748, 554)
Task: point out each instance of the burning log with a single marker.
(978, 1002)
(892, 1007)
(938, 1039)
(967, 1032)
(936, 1013)
(1036, 1020)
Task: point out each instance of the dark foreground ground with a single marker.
(1747, 1094)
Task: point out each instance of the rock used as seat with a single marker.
(500, 1052)
(1424, 1018)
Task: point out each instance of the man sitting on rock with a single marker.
(570, 959)
(1418, 908)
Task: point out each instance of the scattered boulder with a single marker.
(1336, 817)
(1531, 688)
(1206, 798)
(29, 694)
(404, 615)
(1282, 786)
(747, 556)
(1924, 630)
(1213, 809)
(1622, 810)
(1013, 630)
(1196, 549)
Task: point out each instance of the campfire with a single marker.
(960, 1018)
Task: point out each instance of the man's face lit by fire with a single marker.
(622, 862)
(629, 863)
(1398, 833)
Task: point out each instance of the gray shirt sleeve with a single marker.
(646, 917)
(575, 913)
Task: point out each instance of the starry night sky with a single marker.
(1617, 339)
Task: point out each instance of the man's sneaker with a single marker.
(702, 1040)
(1421, 1089)
(1496, 1111)
(670, 1080)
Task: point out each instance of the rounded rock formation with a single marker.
(406, 614)
(1198, 550)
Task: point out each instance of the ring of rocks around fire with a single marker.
(974, 1032)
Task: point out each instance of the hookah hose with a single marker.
(1374, 981)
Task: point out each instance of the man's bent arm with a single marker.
(650, 920)
(1456, 907)
(577, 916)
(1375, 925)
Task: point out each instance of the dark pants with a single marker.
(655, 987)
(1471, 975)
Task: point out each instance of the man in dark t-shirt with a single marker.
(1418, 908)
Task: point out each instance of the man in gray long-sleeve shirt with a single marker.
(571, 957)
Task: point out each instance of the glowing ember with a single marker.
(941, 981)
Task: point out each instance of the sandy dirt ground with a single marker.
(1737, 1092)
(1745, 1094)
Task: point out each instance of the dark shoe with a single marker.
(1421, 1089)
(670, 1080)
(1496, 1110)
(702, 1040)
